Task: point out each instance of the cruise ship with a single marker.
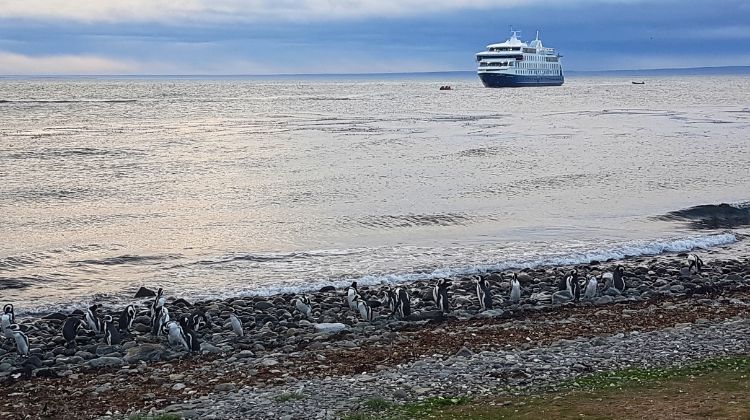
(514, 63)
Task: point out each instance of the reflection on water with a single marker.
(215, 186)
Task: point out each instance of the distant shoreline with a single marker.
(690, 71)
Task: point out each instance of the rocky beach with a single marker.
(329, 366)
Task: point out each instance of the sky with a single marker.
(223, 37)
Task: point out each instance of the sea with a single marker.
(236, 186)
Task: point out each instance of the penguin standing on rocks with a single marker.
(8, 310)
(195, 321)
(590, 288)
(92, 319)
(618, 278)
(126, 319)
(111, 333)
(70, 331)
(403, 302)
(351, 296)
(157, 312)
(515, 289)
(175, 335)
(484, 293)
(572, 286)
(694, 262)
(159, 322)
(6, 320)
(614, 281)
(440, 295)
(365, 311)
(236, 325)
(389, 300)
(191, 337)
(22, 341)
(157, 304)
(302, 303)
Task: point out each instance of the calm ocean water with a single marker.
(217, 187)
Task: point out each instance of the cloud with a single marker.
(19, 64)
(247, 10)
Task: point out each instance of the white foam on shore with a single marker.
(564, 257)
(622, 251)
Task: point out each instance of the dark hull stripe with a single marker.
(514, 80)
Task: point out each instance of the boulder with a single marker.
(144, 353)
(144, 292)
(105, 362)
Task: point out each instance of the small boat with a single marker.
(639, 83)
(446, 88)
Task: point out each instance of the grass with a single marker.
(717, 388)
(291, 396)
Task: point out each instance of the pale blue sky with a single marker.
(351, 36)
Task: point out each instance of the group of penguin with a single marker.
(569, 288)
(183, 331)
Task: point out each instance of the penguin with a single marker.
(573, 287)
(694, 262)
(351, 296)
(111, 333)
(92, 319)
(70, 330)
(515, 289)
(5, 324)
(157, 304)
(403, 302)
(8, 310)
(22, 341)
(155, 312)
(618, 278)
(176, 335)
(236, 325)
(303, 305)
(200, 320)
(390, 300)
(195, 321)
(365, 311)
(159, 322)
(563, 284)
(191, 337)
(126, 319)
(440, 295)
(590, 288)
(484, 293)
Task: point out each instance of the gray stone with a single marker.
(604, 300)
(330, 327)
(144, 353)
(225, 387)
(102, 362)
(263, 305)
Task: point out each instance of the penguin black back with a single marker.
(618, 278)
(111, 333)
(484, 293)
(574, 287)
(440, 294)
(126, 319)
(8, 310)
(403, 304)
(70, 330)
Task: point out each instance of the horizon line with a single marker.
(395, 73)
